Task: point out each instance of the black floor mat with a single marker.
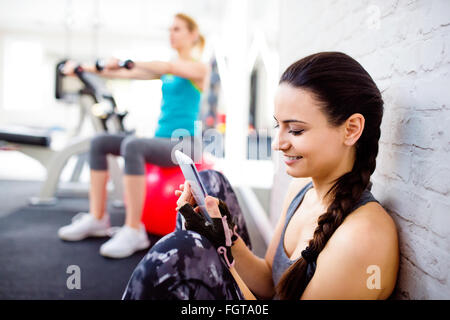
(34, 261)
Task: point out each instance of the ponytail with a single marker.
(193, 27)
(200, 43)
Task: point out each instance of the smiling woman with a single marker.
(333, 239)
(313, 132)
(333, 139)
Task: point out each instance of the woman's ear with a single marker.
(353, 128)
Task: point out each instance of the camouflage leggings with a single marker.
(183, 264)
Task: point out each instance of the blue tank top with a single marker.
(180, 106)
(281, 261)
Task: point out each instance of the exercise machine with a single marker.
(96, 104)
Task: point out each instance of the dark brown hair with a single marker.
(343, 88)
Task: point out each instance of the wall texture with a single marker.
(405, 46)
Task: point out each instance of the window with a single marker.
(22, 75)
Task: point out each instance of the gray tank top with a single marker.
(281, 261)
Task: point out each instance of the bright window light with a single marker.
(22, 75)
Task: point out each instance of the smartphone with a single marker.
(191, 175)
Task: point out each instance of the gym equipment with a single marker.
(209, 115)
(106, 112)
(97, 104)
(127, 64)
(159, 214)
(30, 136)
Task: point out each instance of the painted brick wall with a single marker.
(405, 46)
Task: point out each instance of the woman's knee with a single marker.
(173, 260)
(98, 142)
(129, 146)
(131, 150)
(98, 151)
(181, 246)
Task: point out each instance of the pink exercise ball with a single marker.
(159, 212)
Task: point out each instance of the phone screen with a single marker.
(191, 175)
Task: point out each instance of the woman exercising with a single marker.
(333, 239)
(183, 81)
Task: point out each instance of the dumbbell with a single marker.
(60, 67)
(127, 64)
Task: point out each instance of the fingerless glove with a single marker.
(221, 233)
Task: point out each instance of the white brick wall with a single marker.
(405, 46)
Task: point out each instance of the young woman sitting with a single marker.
(333, 239)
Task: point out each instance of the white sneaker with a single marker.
(84, 225)
(125, 242)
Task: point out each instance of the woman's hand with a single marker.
(221, 233)
(69, 68)
(185, 196)
(112, 64)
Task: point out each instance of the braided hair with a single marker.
(344, 88)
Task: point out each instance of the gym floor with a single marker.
(34, 261)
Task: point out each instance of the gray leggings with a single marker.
(138, 151)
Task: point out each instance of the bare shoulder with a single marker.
(195, 63)
(368, 237)
(372, 223)
(202, 65)
(190, 69)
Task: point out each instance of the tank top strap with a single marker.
(366, 197)
(296, 202)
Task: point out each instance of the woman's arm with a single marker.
(146, 70)
(110, 72)
(186, 69)
(257, 272)
(360, 260)
(248, 295)
(134, 73)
